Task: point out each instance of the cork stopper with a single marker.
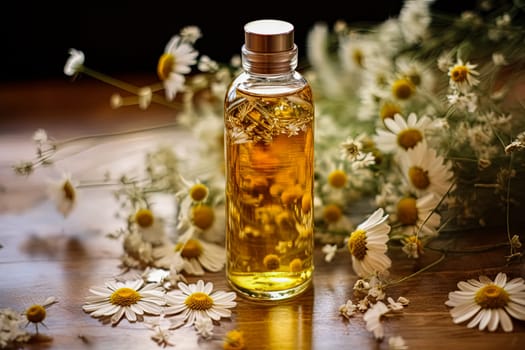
(269, 47)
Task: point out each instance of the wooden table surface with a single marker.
(45, 254)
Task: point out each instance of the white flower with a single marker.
(150, 227)
(425, 171)
(40, 136)
(37, 313)
(499, 59)
(354, 50)
(400, 134)
(462, 76)
(74, 62)
(463, 101)
(329, 250)
(176, 61)
(418, 216)
(397, 343)
(204, 327)
(488, 303)
(206, 64)
(12, 332)
(193, 256)
(414, 19)
(128, 298)
(191, 34)
(372, 318)
(138, 252)
(198, 301)
(162, 328)
(367, 244)
(63, 193)
(348, 309)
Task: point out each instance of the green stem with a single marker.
(109, 80)
(429, 266)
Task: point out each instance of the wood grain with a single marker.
(45, 255)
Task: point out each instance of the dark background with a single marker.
(129, 37)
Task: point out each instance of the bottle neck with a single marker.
(273, 63)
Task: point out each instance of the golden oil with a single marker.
(269, 151)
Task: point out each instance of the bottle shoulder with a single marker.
(265, 85)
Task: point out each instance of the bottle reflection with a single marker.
(288, 325)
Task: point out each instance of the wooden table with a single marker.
(45, 255)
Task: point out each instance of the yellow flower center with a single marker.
(332, 213)
(144, 218)
(407, 212)
(165, 66)
(418, 177)
(296, 265)
(199, 301)
(234, 340)
(492, 296)
(198, 192)
(357, 244)
(272, 262)
(192, 249)
(36, 313)
(69, 191)
(125, 297)
(358, 57)
(337, 178)
(389, 110)
(459, 74)
(403, 89)
(203, 216)
(408, 138)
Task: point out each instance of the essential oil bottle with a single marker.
(269, 151)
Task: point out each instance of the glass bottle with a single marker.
(269, 151)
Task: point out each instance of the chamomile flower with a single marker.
(177, 59)
(74, 62)
(402, 88)
(37, 313)
(150, 227)
(488, 303)
(401, 134)
(127, 299)
(194, 256)
(414, 19)
(462, 76)
(63, 193)
(194, 191)
(354, 51)
(425, 171)
(198, 301)
(367, 244)
(418, 215)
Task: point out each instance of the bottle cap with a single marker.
(269, 47)
(269, 35)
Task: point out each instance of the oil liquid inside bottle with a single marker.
(269, 232)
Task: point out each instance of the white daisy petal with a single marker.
(505, 321)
